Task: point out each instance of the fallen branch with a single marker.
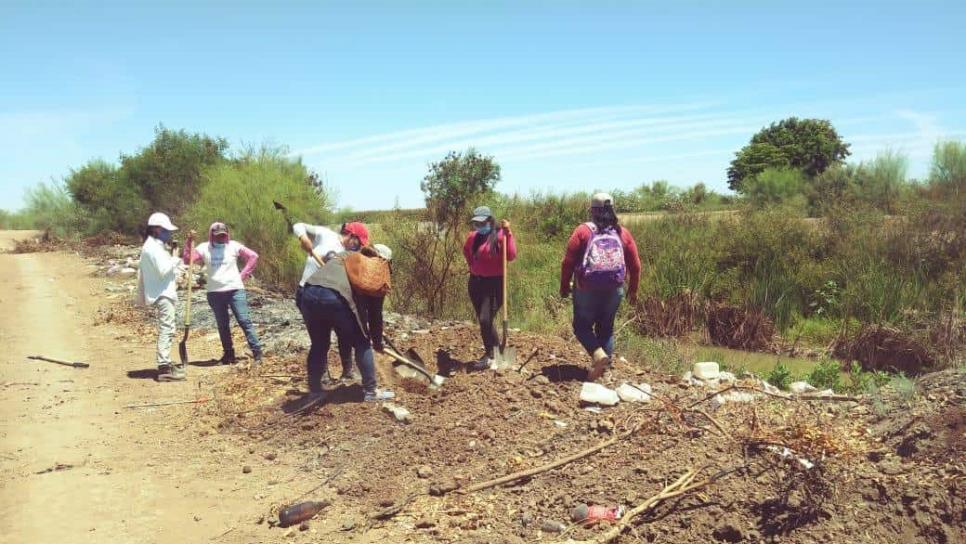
(550, 466)
(169, 403)
(684, 484)
(530, 358)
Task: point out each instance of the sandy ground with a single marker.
(75, 464)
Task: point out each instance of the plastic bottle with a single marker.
(297, 513)
(586, 514)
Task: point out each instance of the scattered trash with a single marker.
(560, 424)
(594, 393)
(583, 513)
(801, 387)
(634, 392)
(786, 453)
(706, 370)
(732, 396)
(727, 377)
(297, 513)
(401, 414)
(593, 409)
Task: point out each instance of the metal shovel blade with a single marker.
(420, 371)
(183, 348)
(505, 358)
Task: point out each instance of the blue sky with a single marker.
(566, 95)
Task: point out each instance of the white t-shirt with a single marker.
(221, 265)
(158, 272)
(324, 241)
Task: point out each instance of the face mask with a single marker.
(485, 229)
(218, 245)
(164, 235)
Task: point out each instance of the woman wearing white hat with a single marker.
(157, 287)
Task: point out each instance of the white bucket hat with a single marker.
(383, 251)
(162, 220)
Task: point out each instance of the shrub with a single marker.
(827, 374)
(780, 376)
(109, 199)
(240, 194)
(948, 172)
(774, 186)
(50, 208)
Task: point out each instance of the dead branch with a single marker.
(684, 484)
(170, 403)
(550, 466)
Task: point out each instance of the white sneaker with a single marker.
(378, 395)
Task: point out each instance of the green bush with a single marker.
(50, 208)
(775, 186)
(780, 376)
(112, 203)
(240, 194)
(826, 375)
(948, 172)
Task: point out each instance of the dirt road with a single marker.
(75, 464)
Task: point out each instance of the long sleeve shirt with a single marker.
(483, 260)
(576, 247)
(159, 271)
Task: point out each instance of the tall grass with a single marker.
(240, 194)
(49, 207)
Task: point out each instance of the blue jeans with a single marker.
(324, 311)
(237, 300)
(594, 313)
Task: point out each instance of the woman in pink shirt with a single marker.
(483, 251)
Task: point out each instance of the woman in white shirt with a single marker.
(226, 288)
(157, 287)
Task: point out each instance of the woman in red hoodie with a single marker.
(483, 251)
(601, 257)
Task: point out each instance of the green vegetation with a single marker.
(240, 194)
(780, 376)
(820, 247)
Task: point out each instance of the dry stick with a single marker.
(196, 401)
(682, 485)
(560, 462)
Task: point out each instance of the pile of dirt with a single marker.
(478, 426)
(883, 469)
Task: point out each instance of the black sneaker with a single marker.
(256, 358)
(228, 358)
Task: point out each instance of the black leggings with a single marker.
(487, 296)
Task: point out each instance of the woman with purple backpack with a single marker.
(601, 256)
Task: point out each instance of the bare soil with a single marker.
(888, 469)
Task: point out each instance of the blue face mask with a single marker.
(485, 229)
(164, 235)
(217, 245)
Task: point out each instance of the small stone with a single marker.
(270, 456)
(246, 469)
(348, 524)
(441, 488)
(551, 526)
(290, 533)
(197, 517)
(424, 471)
(425, 523)
(260, 520)
(605, 426)
(542, 380)
(304, 526)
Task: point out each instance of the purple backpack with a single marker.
(603, 266)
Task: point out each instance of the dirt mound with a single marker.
(879, 347)
(740, 328)
(780, 470)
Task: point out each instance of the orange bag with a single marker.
(368, 274)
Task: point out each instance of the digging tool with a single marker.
(280, 207)
(183, 345)
(74, 364)
(415, 363)
(507, 356)
(288, 221)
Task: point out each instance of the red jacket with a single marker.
(485, 262)
(576, 247)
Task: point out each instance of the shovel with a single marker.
(415, 363)
(280, 207)
(506, 357)
(183, 345)
(74, 364)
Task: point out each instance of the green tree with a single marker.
(455, 183)
(948, 171)
(773, 186)
(240, 194)
(808, 145)
(168, 172)
(112, 203)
